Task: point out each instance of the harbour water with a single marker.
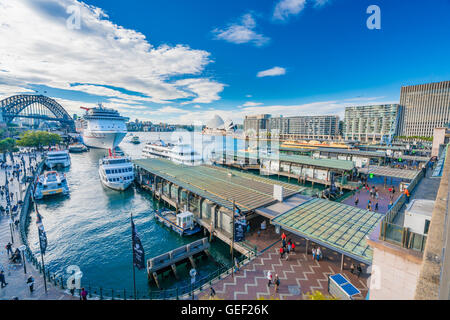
(91, 227)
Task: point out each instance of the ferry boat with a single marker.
(56, 158)
(183, 223)
(135, 140)
(51, 183)
(178, 153)
(116, 172)
(77, 148)
(102, 128)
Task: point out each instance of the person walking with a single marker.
(269, 278)
(356, 201)
(2, 279)
(277, 283)
(293, 246)
(314, 253)
(376, 206)
(30, 283)
(359, 269)
(319, 254)
(9, 249)
(83, 294)
(212, 293)
(281, 252)
(352, 268)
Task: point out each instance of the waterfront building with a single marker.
(256, 123)
(305, 127)
(426, 107)
(372, 122)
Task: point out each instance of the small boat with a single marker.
(56, 158)
(116, 172)
(135, 140)
(77, 148)
(183, 223)
(51, 183)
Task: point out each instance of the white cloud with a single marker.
(205, 90)
(275, 71)
(249, 96)
(320, 3)
(242, 32)
(252, 104)
(42, 50)
(286, 8)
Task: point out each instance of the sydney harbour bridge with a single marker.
(34, 107)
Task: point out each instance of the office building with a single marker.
(426, 107)
(256, 123)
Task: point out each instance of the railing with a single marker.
(396, 234)
(178, 293)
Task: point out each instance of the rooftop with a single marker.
(337, 226)
(219, 185)
(390, 172)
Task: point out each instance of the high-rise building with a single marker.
(316, 127)
(256, 123)
(372, 123)
(426, 107)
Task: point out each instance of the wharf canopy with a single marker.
(218, 185)
(336, 226)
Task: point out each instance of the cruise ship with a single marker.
(178, 153)
(102, 128)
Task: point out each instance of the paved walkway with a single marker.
(14, 274)
(298, 275)
(384, 197)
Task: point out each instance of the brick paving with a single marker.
(298, 275)
(14, 274)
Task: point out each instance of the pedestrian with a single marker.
(318, 254)
(356, 201)
(289, 247)
(277, 283)
(212, 293)
(293, 246)
(83, 294)
(30, 282)
(390, 205)
(283, 236)
(284, 243)
(9, 249)
(352, 268)
(359, 270)
(376, 206)
(2, 279)
(269, 278)
(236, 265)
(314, 253)
(281, 252)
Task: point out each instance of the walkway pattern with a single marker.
(14, 273)
(298, 275)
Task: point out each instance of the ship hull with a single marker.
(103, 140)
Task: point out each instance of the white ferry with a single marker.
(57, 158)
(102, 128)
(135, 140)
(116, 172)
(182, 223)
(51, 183)
(178, 153)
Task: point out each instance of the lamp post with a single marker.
(22, 250)
(11, 224)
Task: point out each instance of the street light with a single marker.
(22, 250)
(11, 224)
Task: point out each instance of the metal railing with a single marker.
(399, 235)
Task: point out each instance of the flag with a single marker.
(42, 235)
(138, 249)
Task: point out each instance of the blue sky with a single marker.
(183, 61)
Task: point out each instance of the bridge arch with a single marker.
(12, 107)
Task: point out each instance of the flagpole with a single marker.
(132, 257)
(40, 247)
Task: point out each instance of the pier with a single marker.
(171, 259)
(209, 192)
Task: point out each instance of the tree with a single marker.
(39, 139)
(7, 145)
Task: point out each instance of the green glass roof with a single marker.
(334, 225)
(301, 160)
(391, 172)
(219, 185)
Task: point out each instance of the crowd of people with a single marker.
(16, 168)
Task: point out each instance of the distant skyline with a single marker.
(180, 61)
